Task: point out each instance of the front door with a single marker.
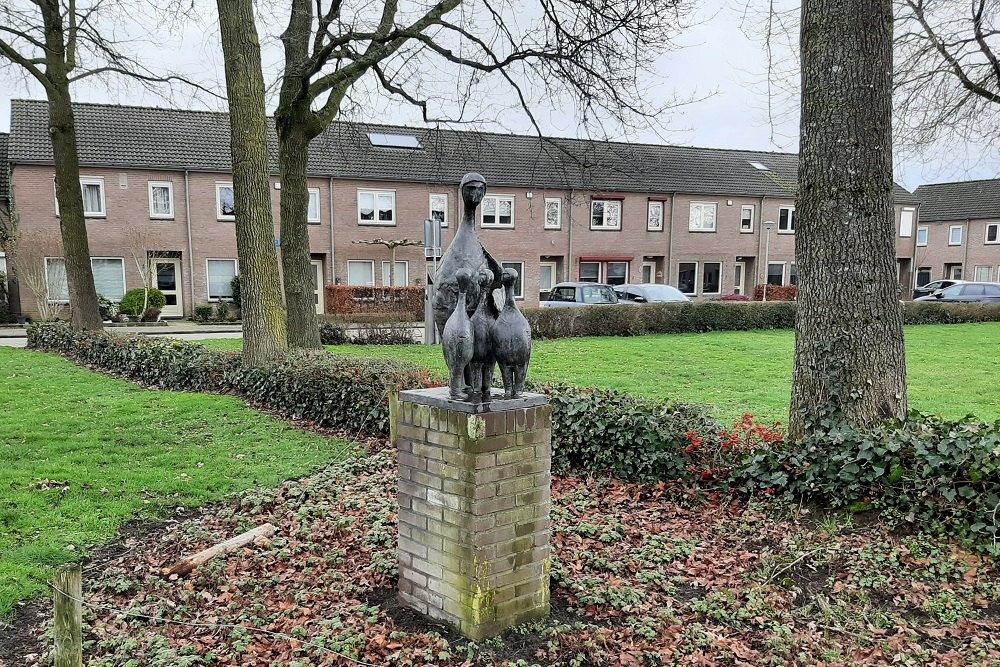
(739, 271)
(318, 286)
(168, 281)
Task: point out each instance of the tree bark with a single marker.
(849, 356)
(296, 126)
(84, 310)
(264, 327)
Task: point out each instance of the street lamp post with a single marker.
(768, 226)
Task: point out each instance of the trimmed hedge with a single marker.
(704, 316)
(346, 299)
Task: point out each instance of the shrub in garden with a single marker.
(222, 311)
(107, 308)
(203, 312)
(332, 334)
(151, 315)
(384, 335)
(929, 312)
(234, 286)
(135, 301)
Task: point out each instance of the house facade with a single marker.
(959, 232)
(158, 195)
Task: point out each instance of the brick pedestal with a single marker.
(474, 491)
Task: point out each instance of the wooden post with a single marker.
(68, 626)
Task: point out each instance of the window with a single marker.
(786, 220)
(746, 219)
(394, 140)
(776, 273)
(617, 273)
(983, 273)
(439, 209)
(906, 222)
(376, 207)
(955, 235)
(553, 214)
(361, 273)
(993, 233)
(400, 277)
(687, 272)
(519, 283)
(590, 272)
(711, 277)
(313, 214)
(654, 216)
(702, 217)
(93, 197)
(225, 202)
(921, 236)
(605, 214)
(55, 280)
(161, 199)
(923, 275)
(220, 278)
(498, 211)
(109, 276)
(953, 271)
(547, 272)
(793, 274)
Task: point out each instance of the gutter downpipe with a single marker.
(333, 245)
(758, 259)
(569, 246)
(187, 220)
(670, 241)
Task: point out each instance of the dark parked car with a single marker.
(934, 286)
(649, 293)
(580, 294)
(966, 293)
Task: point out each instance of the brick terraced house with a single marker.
(157, 188)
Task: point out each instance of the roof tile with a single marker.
(966, 200)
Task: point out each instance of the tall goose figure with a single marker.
(511, 340)
(456, 339)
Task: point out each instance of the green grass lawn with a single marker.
(82, 453)
(951, 368)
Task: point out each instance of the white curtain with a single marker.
(161, 200)
(92, 198)
(220, 277)
(109, 277)
(360, 273)
(55, 276)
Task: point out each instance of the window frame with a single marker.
(703, 272)
(790, 225)
(715, 217)
(649, 218)
(518, 293)
(913, 219)
(406, 272)
(951, 235)
(375, 222)
(431, 209)
(753, 216)
(930, 275)
(555, 276)
(369, 262)
(604, 226)
(496, 208)
(986, 234)
(694, 282)
(545, 213)
(169, 185)
(124, 285)
(319, 207)
(926, 234)
(652, 272)
(767, 273)
(219, 185)
(208, 281)
(85, 180)
(600, 269)
(989, 273)
(48, 290)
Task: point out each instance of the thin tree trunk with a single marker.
(264, 327)
(84, 310)
(849, 355)
(296, 127)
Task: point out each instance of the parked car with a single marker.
(934, 286)
(580, 294)
(966, 292)
(649, 293)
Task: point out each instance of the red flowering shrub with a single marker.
(714, 456)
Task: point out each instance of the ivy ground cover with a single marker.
(740, 372)
(82, 453)
(638, 578)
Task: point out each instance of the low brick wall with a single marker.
(474, 526)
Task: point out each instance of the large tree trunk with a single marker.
(293, 156)
(84, 310)
(264, 328)
(296, 127)
(849, 355)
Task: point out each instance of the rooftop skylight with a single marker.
(394, 140)
(760, 166)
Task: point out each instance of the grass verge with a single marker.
(83, 453)
(741, 372)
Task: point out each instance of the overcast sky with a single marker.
(721, 65)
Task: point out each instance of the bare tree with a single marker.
(849, 355)
(947, 72)
(58, 43)
(592, 54)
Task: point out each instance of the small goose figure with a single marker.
(483, 361)
(456, 339)
(511, 340)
